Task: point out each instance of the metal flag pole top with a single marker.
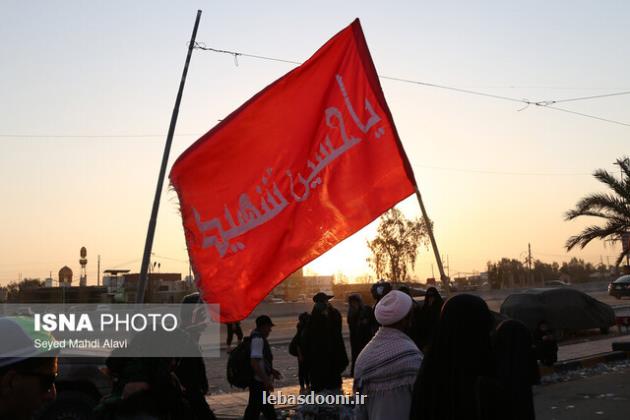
(443, 277)
(142, 284)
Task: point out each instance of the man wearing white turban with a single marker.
(386, 369)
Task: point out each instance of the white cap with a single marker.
(393, 307)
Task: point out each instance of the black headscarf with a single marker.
(460, 355)
(353, 313)
(437, 299)
(325, 348)
(516, 369)
(425, 319)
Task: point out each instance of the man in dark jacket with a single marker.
(325, 348)
(191, 371)
(264, 373)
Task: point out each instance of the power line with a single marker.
(471, 92)
(588, 116)
(526, 102)
(236, 54)
(542, 87)
(583, 98)
(202, 46)
(93, 136)
(493, 172)
(543, 104)
(170, 258)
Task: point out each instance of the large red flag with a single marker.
(302, 165)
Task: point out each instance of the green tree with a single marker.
(395, 247)
(14, 288)
(506, 273)
(546, 272)
(613, 208)
(578, 270)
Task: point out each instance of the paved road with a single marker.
(603, 397)
(285, 324)
(285, 329)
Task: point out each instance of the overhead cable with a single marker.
(91, 136)
(526, 102)
(588, 116)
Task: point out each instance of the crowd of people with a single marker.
(419, 360)
(431, 360)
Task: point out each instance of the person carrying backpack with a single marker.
(261, 361)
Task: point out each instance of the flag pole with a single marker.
(443, 277)
(142, 284)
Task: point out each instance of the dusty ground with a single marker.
(601, 392)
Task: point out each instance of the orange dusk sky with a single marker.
(88, 90)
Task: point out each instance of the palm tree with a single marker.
(612, 207)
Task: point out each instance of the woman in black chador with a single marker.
(325, 349)
(516, 372)
(426, 319)
(360, 324)
(460, 356)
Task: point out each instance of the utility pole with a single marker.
(436, 252)
(144, 268)
(98, 270)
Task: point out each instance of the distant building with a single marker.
(119, 286)
(460, 282)
(48, 282)
(113, 279)
(65, 277)
(298, 287)
(161, 287)
(342, 291)
(64, 294)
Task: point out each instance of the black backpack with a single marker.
(239, 368)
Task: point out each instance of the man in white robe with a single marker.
(386, 369)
